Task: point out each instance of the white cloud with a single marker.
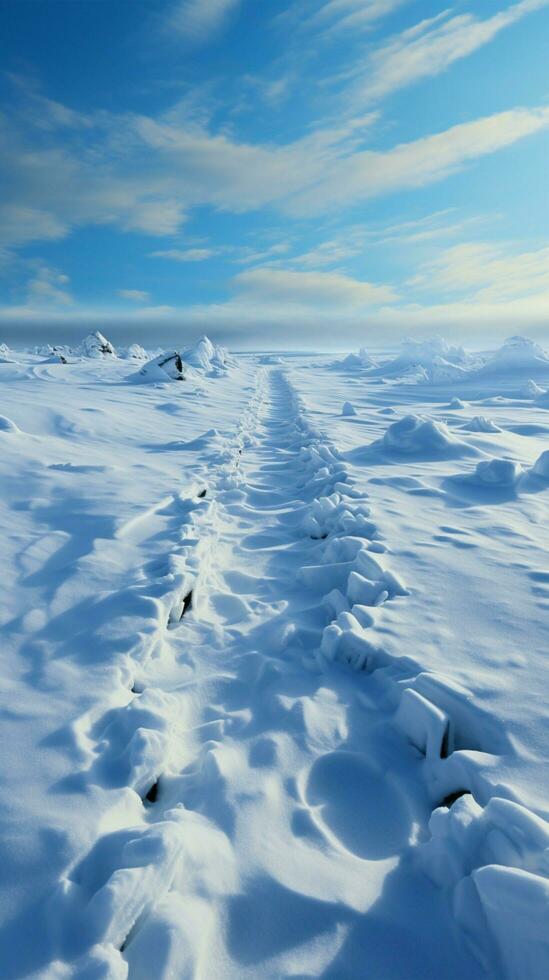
(487, 273)
(311, 289)
(369, 173)
(185, 255)
(199, 19)
(430, 47)
(20, 224)
(134, 295)
(354, 14)
(48, 287)
(143, 174)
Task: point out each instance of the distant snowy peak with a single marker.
(207, 356)
(518, 354)
(96, 345)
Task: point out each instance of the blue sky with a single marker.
(315, 172)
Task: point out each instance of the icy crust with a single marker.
(494, 862)
(492, 859)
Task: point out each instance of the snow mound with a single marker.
(96, 345)
(166, 367)
(496, 473)
(517, 354)
(494, 862)
(207, 356)
(56, 358)
(481, 424)
(435, 357)
(348, 409)
(443, 371)
(531, 389)
(541, 466)
(6, 425)
(134, 353)
(356, 362)
(457, 403)
(416, 434)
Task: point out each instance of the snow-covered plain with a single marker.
(274, 673)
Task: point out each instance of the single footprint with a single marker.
(358, 805)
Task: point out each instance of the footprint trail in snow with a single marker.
(273, 811)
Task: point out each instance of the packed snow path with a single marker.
(274, 811)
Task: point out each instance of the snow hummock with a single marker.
(96, 345)
(348, 409)
(517, 354)
(479, 423)
(356, 362)
(496, 473)
(457, 404)
(168, 366)
(207, 356)
(415, 433)
(133, 352)
(433, 360)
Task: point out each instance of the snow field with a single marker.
(298, 734)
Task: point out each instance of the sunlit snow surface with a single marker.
(274, 681)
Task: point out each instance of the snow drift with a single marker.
(417, 434)
(517, 354)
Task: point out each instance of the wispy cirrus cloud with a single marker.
(144, 174)
(429, 48)
(487, 272)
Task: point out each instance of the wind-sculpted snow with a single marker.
(414, 434)
(517, 354)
